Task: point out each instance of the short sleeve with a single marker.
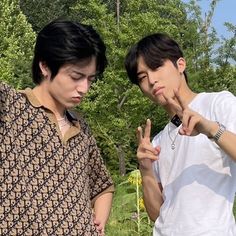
(224, 110)
(99, 177)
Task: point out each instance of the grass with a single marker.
(123, 219)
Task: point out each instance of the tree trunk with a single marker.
(121, 155)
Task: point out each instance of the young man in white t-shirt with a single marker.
(189, 169)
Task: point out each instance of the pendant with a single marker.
(172, 146)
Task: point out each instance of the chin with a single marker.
(160, 101)
(70, 105)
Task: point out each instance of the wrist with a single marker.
(217, 131)
(147, 174)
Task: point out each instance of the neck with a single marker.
(45, 98)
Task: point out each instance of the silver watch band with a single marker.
(220, 131)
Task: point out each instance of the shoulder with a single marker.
(9, 95)
(223, 100)
(213, 101)
(225, 95)
(6, 89)
(213, 96)
(219, 96)
(224, 109)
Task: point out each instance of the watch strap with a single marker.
(219, 132)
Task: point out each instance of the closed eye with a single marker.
(92, 78)
(76, 78)
(141, 78)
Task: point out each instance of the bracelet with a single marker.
(220, 131)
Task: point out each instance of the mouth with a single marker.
(158, 91)
(76, 99)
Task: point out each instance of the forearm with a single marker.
(152, 194)
(102, 207)
(227, 141)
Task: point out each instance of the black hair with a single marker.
(62, 42)
(155, 49)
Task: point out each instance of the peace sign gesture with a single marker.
(192, 122)
(146, 153)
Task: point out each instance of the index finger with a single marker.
(139, 134)
(147, 131)
(180, 100)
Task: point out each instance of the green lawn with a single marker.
(123, 219)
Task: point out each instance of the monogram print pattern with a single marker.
(46, 184)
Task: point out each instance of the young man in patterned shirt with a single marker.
(52, 177)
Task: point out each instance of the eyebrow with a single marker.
(80, 73)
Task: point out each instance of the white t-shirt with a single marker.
(198, 178)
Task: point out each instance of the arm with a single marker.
(152, 194)
(193, 124)
(101, 187)
(146, 154)
(102, 208)
(226, 141)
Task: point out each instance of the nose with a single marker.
(83, 86)
(152, 78)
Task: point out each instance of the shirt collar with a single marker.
(31, 97)
(36, 103)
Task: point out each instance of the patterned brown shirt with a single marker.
(47, 183)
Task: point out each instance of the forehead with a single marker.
(141, 65)
(87, 65)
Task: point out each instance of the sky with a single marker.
(225, 12)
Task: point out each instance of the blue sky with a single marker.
(225, 12)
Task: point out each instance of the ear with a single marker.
(44, 69)
(181, 64)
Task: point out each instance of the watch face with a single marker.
(176, 121)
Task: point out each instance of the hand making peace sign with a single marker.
(146, 153)
(192, 122)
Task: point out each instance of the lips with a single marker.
(158, 90)
(77, 99)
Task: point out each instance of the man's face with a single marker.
(162, 81)
(72, 83)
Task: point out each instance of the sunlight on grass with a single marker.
(124, 219)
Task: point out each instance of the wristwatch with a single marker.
(220, 131)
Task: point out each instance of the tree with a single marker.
(16, 45)
(40, 13)
(114, 107)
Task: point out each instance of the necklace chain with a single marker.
(62, 122)
(172, 140)
(61, 119)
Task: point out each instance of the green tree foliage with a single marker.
(227, 50)
(16, 45)
(40, 13)
(211, 68)
(115, 108)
